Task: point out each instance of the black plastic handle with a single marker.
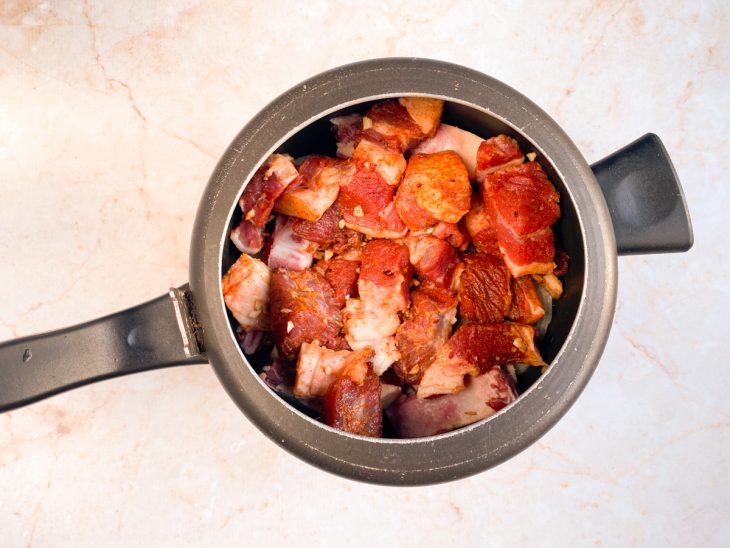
(158, 333)
(645, 199)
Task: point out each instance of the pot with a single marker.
(630, 202)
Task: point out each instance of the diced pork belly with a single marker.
(435, 188)
(388, 161)
(389, 120)
(372, 320)
(267, 184)
(329, 231)
(447, 137)
(434, 260)
(526, 304)
(484, 288)
(317, 369)
(551, 284)
(289, 250)
(258, 198)
(366, 202)
(315, 189)
(345, 129)
(385, 274)
(248, 237)
(483, 396)
(496, 153)
(352, 403)
(479, 225)
(522, 204)
(522, 199)
(426, 112)
(426, 327)
(531, 254)
(302, 308)
(475, 348)
(455, 234)
(342, 275)
(246, 292)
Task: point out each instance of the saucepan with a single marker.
(631, 202)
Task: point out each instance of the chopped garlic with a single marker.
(357, 211)
(519, 344)
(285, 310)
(429, 230)
(341, 224)
(249, 214)
(327, 254)
(531, 156)
(289, 326)
(367, 123)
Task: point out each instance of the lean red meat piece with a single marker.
(435, 188)
(484, 288)
(315, 189)
(531, 254)
(497, 153)
(522, 199)
(342, 275)
(352, 403)
(258, 198)
(447, 137)
(526, 304)
(483, 396)
(434, 260)
(426, 327)
(475, 348)
(246, 293)
(288, 249)
(302, 308)
(366, 203)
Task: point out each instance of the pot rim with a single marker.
(454, 454)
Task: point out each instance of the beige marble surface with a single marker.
(112, 115)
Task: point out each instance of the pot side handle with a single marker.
(155, 334)
(645, 199)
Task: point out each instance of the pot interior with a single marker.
(317, 138)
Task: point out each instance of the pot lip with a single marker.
(472, 448)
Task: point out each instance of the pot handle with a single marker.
(158, 333)
(645, 199)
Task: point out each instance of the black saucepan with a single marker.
(630, 202)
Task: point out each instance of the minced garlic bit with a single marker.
(357, 211)
(341, 224)
(531, 156)
(327, 254)
(367, 123)
(519, 344)
(429, 230)
(367, 165)
(289, 326)
(285, 310)
(249, 214)
(415, 282)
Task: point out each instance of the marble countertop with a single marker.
(112, 117)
